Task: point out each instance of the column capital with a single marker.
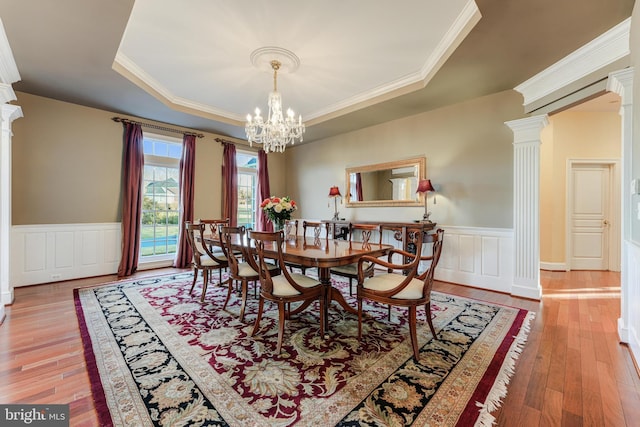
(9, 113)
(621, 82)
(528, 129)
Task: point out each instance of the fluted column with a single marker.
(8, 113)
(526, 205)
(621, 82)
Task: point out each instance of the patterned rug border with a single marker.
(493, 385)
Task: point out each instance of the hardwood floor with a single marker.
(572, 372)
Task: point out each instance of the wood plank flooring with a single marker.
(572, 372)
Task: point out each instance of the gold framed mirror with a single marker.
(385, 184)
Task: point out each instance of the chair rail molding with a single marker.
(54, 252)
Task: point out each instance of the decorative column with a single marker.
(621, 82)
(526, 205)
(8, 113)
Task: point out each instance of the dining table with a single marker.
(321, 253)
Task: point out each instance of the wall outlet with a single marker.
(55, 276)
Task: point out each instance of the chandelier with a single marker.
(276, 131)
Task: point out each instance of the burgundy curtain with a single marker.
(230, 184)
(132, 168)
(359, 187)
(262, 222)
(187, 172)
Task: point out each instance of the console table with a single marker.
(340, 230)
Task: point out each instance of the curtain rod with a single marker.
(224, 141)
(149, 125)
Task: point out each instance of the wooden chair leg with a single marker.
(350, 286)
(412, 332)
(195, 278)
(245, 291)
(229, 290)
(256, 325)
(205, 282)
(359, 318)
(322, 318)
(427, 307)
(281, 320)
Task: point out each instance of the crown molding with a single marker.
(601, 51)
(460, 28)
(8, 70)
(6, 93)
(132, 72)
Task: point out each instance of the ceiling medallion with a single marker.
(276, 131)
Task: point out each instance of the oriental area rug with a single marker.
(157, 356)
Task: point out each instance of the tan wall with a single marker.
(570, 135)
(469, 153)
(67, 166)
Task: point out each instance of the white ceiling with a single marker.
(195, 56)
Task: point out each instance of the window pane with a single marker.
(175, 151)
(160, 204)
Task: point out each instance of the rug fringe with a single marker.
(499, 389)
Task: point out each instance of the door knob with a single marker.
(606, 222)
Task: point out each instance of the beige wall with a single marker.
(67, 166)
(469, 153)
(570, 135)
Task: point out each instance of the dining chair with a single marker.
(402, 285)
(315, 229)
(285, 288)
(290, 231)
(366, 234)
(203, 258)
(214, 228)
(244, 269)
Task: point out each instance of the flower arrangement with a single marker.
(278, 210)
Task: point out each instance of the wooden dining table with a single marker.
(323, 254)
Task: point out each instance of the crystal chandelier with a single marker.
(277, 131)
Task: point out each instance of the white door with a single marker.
(589, 216)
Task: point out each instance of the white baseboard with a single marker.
(553, 266)
(55, 252)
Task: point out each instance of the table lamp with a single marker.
(334, 193)
(424, 187)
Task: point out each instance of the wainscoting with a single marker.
(55, 252)
(629, 322)
(479, 257)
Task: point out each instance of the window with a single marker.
(247, 164)
(161, 192)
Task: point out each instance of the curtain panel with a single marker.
(133, 165)
(230, 184)
(187, 174)
(262, 222)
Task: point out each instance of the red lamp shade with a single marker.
(334, 192)
(425, 185)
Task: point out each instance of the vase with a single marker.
(278, 224)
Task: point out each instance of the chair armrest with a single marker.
(396, 251)
(389, 265)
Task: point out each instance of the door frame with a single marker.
(615, 202)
